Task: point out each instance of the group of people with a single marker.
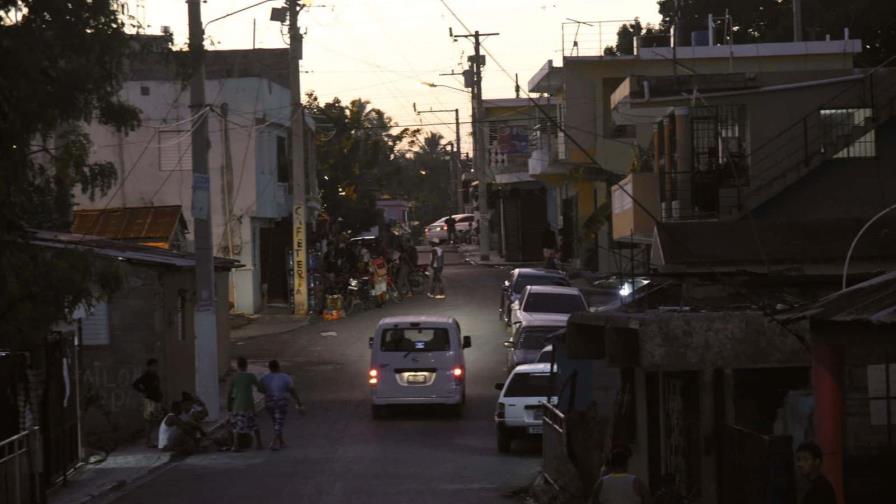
(179, 429)
(617, 486)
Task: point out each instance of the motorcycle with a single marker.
(418, 279)
(358, 293)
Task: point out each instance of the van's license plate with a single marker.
(416, 378)
(536, 430)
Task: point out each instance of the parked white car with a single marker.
(519, 411)
(546, 303)
(417, 360)
(438, 231)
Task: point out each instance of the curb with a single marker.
(109, 489)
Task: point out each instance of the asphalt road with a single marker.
(338, 453)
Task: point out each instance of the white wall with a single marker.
(258, 112)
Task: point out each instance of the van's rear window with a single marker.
(415, 339)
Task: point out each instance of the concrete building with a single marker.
(250, 173)
(520, 210)
(602, 144)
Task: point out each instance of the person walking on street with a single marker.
(808, 463)
(278, 389)
(451, 227)
(149, 385)
(436, 263)
(241, 404)
(618, 486)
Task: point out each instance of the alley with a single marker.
(338, 453)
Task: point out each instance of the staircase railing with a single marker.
(809, 141)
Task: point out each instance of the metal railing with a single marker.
(814, 139)
(20, 467)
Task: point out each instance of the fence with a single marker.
(20, 467)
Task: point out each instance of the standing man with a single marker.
(149, 385)
(278, 389)
(808, 463)
(241, 404)
(619, 487)
(451, 226)
(436, 263)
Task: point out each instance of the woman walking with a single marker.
(278, 389)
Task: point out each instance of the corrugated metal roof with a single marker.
(122, 250)
(143, 224)
(872, 301)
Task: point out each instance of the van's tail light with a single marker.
(374, 377)
(499, 411)
(458, 374)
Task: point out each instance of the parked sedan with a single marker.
(544, 302)
(437, 232)
(528, 340)
(521, 278)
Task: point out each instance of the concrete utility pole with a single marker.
(297, 143)
(480, 139)
(456, 187)
(205, 319)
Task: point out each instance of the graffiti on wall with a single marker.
(107, 387)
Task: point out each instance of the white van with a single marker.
(417, 360)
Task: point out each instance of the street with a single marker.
(338, 453)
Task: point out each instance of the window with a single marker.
(95, 326)
(882, 394)
(415, 340)
(283, 167)
(144, 90)
(175, 150)
(530, 385)
(535, 338)
(717, 135)
(553, 303)
(849, 132)
(523, 281)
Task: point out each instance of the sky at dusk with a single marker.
(381, 50)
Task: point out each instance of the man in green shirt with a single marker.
(241, 404)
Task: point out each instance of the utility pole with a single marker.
(205, 319)
(480, 139)
(297, 143)
(456, 188)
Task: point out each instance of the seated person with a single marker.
(176, 434)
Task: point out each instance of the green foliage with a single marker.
(63, 63)
(625, 38)
(359, 155)
(772, 21)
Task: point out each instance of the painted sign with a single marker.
(200, 207)
(300, 269)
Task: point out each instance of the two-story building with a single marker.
(522, 212)
(249, 116)
(598, 144)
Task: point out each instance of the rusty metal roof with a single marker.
(121, 250)
(872, 301)
(140, 224)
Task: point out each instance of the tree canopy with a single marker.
(63, 64)
(363, 156)
(874, 21)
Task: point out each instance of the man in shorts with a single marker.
(149, 385)
(278, 388)
(241, 404)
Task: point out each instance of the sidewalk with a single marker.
(266, 324)
(471, 255)
(130, 465)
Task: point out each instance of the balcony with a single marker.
(631, 222)
(548, 153)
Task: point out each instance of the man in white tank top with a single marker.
(619, 487)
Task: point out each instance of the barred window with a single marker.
(849, 132)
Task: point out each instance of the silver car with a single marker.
(529, 340)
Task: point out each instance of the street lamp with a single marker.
(434, 85)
